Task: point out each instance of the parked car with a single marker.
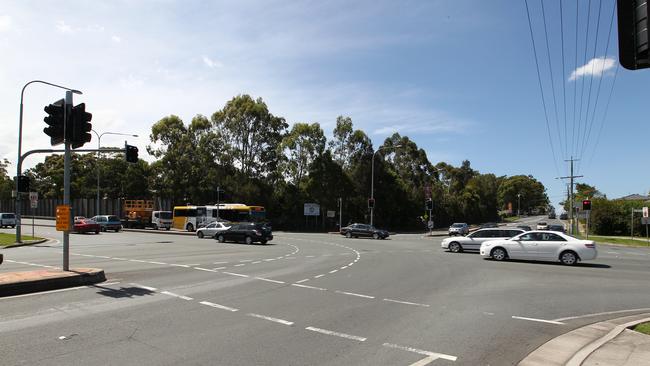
(524, 227)
(551, 215)
(474, 240)
(77, 218)
(459, 228)
(108, 222)
(7, 219)
(558, 228)
(488, 225)
(542, 246)
(564, 216)
(542, 225)
(246, 232)
(211, 229)
(86, 226)
(359, 230)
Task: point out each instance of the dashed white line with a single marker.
(218, 306)
(421, 352)
(143, 287)
(235, 274)
(219, 268)
(246, 260)
(204, 269)
(538, 320)
(137, 260)
(354, 294)
(219, 262)
(256, 262)
(102, 256)
(268, 280)
(301, 281)
(177, 295)
(311, 287)
(344, 267)
(154, 262)
(276, 320)
(120, 259)
(179, 265)
(407, 303)
(332, 333)
(319, 276)
(310, 256)
(334, 271)
(270, 259)
(239, 265)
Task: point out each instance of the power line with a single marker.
(550, 67)
(602, 123)
(541, 89)
(563, 81)
(582, 85)
(575, 84)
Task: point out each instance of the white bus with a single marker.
(192, 217)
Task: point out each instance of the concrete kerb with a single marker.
(574, 347)
(18, 283)
(34, 242)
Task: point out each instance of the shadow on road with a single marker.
(123, 292)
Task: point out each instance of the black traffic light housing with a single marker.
(80, 126)
(131, 153)
(55, 121)
(23, 183)
(633, 34)
(371, 203)
(429, 204)
(586, 205)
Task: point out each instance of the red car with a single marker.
(86, 226)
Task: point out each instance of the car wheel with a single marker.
(155, 227)
(169, 228)
(568, 258)
(499, 254)
(375, 236)
(200, 234)
(117, 230)
(190, 227)
(249, 240)
(96, 231)
(264, 242)
(348, 235)
(103, 229)
(221, 239)
(454, 247)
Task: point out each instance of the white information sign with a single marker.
(331, 213)
(312, 209)
(33, 199)
(645, 212)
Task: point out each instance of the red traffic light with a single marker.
(586, 205)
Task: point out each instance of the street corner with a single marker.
(18, 283)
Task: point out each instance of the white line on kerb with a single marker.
(177, 295)
(407, 303)
(538, 320)
(235, 274)
(603, 313)
(421, 352)
(354, 294)
(301, 281)
(204, 269)
(268, 280)
(277, 320)
(342, 335)
(223, 307)
(143, 287)
(311, 287)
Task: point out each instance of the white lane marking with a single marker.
(193, 264)
(219, 268)
(43, 292)
(268, 280)
(425, 361)
(344, 267)
(107, 283)
(239, 265)
(179, 265)
(421, 352)
(291, 257)
(319, 276)
(301, 281)
(102, 256)
(310, 256)
(235, 274)
(270, 259)
(218, 306)
(311, 287)
(278, 257)
(204, 269)
(154, 262)
(143, 287)
(245, 260)
(256, 262)
(137, 260)
(342, 335)
(334, 271)
(276, 320)
(354, 294)
(177, 295)
(538, 320)
(120, 259)
(597, 314)
(407, 303)
(219, 262)
(327, 255)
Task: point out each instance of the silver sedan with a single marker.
(211, 229)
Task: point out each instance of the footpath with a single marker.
(607, 343)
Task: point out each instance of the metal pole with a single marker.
(372, 187)
(218, 203)
(99, 147)
(340, 213)
(588, 216)
(33, 223)
(647, 238)
(632, 225)
(66, 181)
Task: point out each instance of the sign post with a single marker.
(33, 199)
(646, 219)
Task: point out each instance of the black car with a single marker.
(564, 216)
(357, 230)
(246, 232)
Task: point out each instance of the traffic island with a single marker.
(18, 283)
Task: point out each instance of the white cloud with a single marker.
(5, 23)
(211, 63)
(62, 27)
(595, 67)
(116, 39)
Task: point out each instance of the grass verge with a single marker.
(610, 240)
(643, 328)
(511, 219)
(9, 239)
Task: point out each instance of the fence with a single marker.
(80, 206)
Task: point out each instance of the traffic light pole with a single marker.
(66, 180)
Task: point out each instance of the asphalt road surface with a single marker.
(307, 299)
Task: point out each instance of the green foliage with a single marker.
(532, 193)
(6, 183)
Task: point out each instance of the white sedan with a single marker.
(542, 246)
(474, 240)
(212, 229)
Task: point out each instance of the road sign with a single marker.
(430, 224)
(63, 218)
(645, 212)
(312, 209)
(33, 199)
(331, 213)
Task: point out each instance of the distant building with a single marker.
(634, 197)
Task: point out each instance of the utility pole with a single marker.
(66, 180)
(571, 197)
(340, 213)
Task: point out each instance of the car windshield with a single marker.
(457, 225)
(166, 215)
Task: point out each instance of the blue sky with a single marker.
(458, 77)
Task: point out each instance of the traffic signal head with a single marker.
(633, 34)
(55, 121)
(23, 183)
(586, 205)
(80, 126)
(371, 203)
(131, 153)
(429, 204)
